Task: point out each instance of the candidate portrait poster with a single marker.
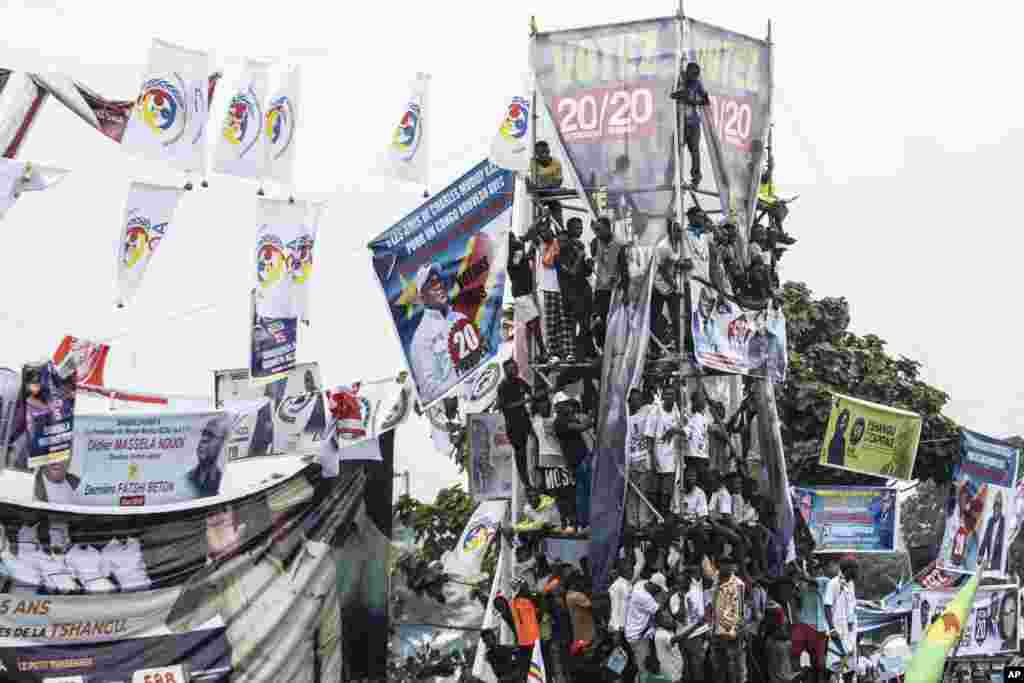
(980, 511)
(860, 519)
(871, 438)
(41, 428)
(294, 417)
(729, 338)
(141, 459)
(992, 626)
(109, 598)
(492, 466)
(442, 269)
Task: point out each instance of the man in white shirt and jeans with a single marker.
(618, 595)
(640, 459)
(644, 602)
(841, 615)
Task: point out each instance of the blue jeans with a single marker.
(583, 493)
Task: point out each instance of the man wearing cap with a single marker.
(433, 353)
(282, 591)
(644, 602)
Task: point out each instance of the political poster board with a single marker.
(492, 465)
(992, 627)
(860, 519)
(870, 438)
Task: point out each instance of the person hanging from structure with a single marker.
(560, 341)
(520, 272)
(668, 257)
(694, 98)
(574, 270)
(546, 176)
(605, 249)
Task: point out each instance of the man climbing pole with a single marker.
(694, 98)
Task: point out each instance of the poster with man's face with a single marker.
(293, 420)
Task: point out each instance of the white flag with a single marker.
(408, 153)
(170, 114)
(23, 176)
(148, 213)
(21, 98)
(241, 147)
(538, 674)
(358, 414)
(280, 128)
(300, 255)
(510, 148)
(282, 223)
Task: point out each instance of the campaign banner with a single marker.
(492, 465)
(148, 212)
(480, 391)
(281, 126)
(871, 438)
(141, 459)
(607, 90)
(510, 148)
(625, 353)
(979, 513)
(736, 73)
(991, 628)
(729, 338)
(242, 145)
(10, 389)
(858, 519)
(171, 111)
(88, 359)
(106, 597)
(272, 346)
(301, 252)
(442, 269)
(358, 414)
(294, 417)
(44, 417)
(466, 559)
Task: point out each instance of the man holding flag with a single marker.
(930, 657)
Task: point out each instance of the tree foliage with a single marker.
(825, 357)
(437, 525)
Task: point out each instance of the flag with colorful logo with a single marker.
(17, 177)
(929, 658)
(510, 148)
(280, 128)
(88, 359)
(169, 119)
(148, 213)
(20, 102)
(357, 414)
(241, 146)
(408, 152)
(538, 673)
(301, 252)
(442, 269)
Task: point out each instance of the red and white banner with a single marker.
(89, 359)
(20, 102)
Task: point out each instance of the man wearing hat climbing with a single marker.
(433, 353)
(694, 99)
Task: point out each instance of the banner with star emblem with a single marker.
(442, 269)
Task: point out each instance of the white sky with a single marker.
(895, 123)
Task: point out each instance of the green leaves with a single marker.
(438, 525)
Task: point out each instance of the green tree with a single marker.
(437, 525)
(825, 357)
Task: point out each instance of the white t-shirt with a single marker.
(694, 613)
(841, 596)
(549, 449)
(59, 493)
(548, 280)
(669, 656)
(696, 502)
(658, 423)
(721, 502)
(697, 436)
(618, 593)
(639, 612)
(636, 441)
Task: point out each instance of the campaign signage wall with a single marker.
(729, 338)
(991, 628)
(442, 269)
(140, 459)
(294, 419)
(197, 594)
(979, 513)
(850, 518)
(874, 439)
(492, 466)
